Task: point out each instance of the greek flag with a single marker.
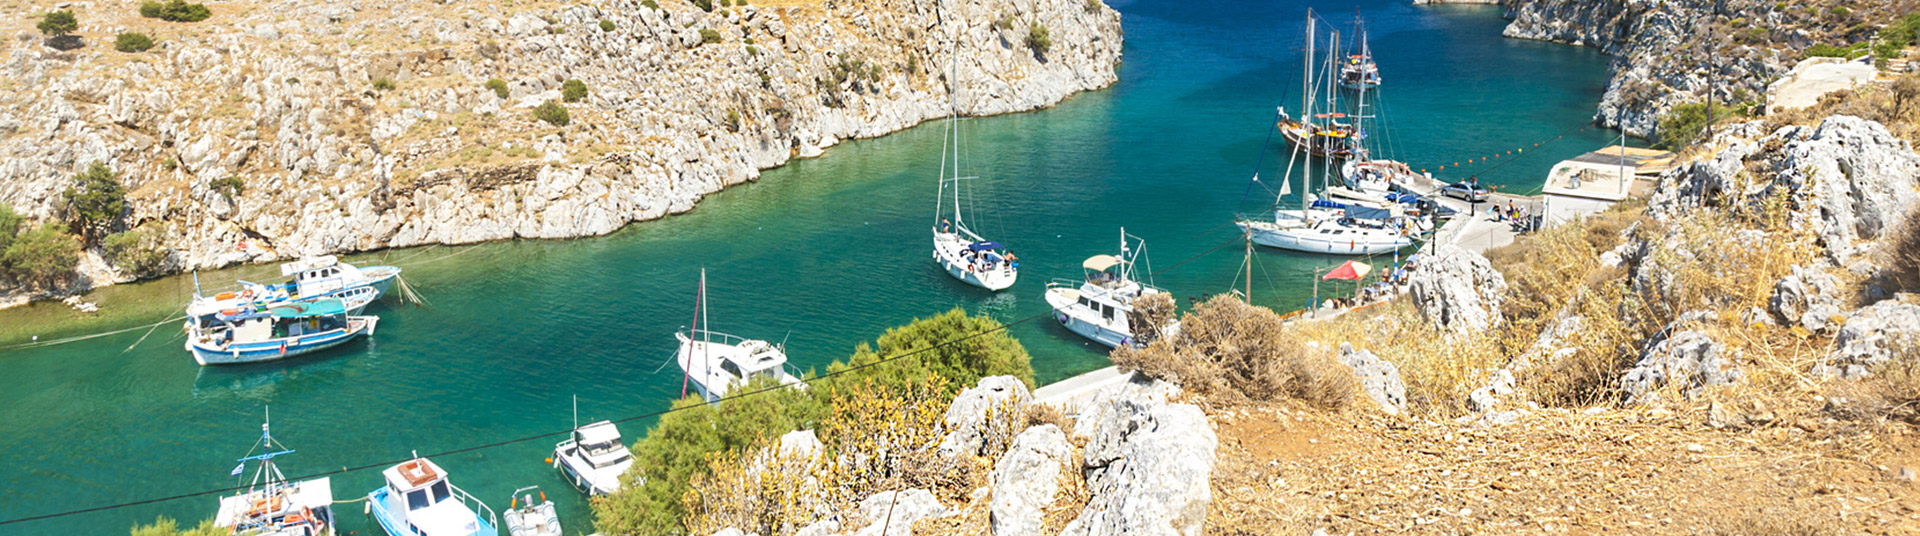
(237, 469)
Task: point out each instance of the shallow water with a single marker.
(823, 253)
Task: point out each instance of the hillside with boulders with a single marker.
(256, 131)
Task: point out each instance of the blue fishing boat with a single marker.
(273, 332)
(418, 500)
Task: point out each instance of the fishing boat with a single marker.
(960, 251)
(592, 457)
(1324, 134)
(312, 278)
(714, 363)
(274, 332)
(271, 506)
(1100, 306)
(418, 500)
(526, 517)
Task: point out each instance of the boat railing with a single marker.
(475, 504)
(705, 335)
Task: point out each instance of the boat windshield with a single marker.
(417, 499)
(440, 492)
(612, 461)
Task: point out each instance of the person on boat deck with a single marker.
(945, 225)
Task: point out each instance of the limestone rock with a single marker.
(1148, 465)
(1379, 379)
(1808, 297)
(895, 512)
(1488, 397)
(1027, 478)
(1689, 357)
(1458, 290)
(968, 419)
(1870, 337)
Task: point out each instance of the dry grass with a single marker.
(1901, 256)
(1438, 373)
(1228, 351)
(1895, 104)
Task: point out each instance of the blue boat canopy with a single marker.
(983, 246)
(320, 307)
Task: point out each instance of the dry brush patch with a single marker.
(1228, 351)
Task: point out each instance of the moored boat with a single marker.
(271, 506)
(527, 517)
(715, 362)
(274, 332)
(593, 457)
(960, 251)
(1100, 307)
(312, 278)
(418, 500)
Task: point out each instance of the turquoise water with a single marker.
(824, 253)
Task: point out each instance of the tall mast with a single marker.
(953, 117)
(1360, 99)
(1306, 117)
(1333, 105)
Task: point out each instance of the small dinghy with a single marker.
(527, 517)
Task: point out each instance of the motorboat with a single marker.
(312, 278)
(1100, 306)
(716, 362)
(272, 506)
(527, 517)
(592, 458)
(418, 500)
(272, 332)
(960, 251)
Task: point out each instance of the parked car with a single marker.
(1471, 192)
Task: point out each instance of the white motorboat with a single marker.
(271, 506)
(593, 458)
(716, 362)
(313, 278)
(418, 500)
(1100, 306)
(526, 517)
(960, 251)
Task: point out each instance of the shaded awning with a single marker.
(320, 307)
(1101, 262)
(1350, 271)
(983, 246)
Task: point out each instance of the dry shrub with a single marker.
(1150, 313)
(1038, 414)
(1891, 393)
(875, 439)
(1603, 346)
(1438, 372)
(1896, 105)
(1541, 271)
(1229, 351)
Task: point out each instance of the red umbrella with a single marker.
(1351, 271)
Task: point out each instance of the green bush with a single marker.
(553, 113)
(1835, 51)
(58, 23)
(1684, 123)
(1093, 6)
(704, 5)
(650, 4)
(175, 11)
(44, 257)
(606, 25)
(498, 86)
(132, 42)
(230, 186)
(1037, 38)
(384, 84)
(675, 450)
(573, 90)
(137, 252)
(9, 225)
(1840, 11)
(708, 35)
(95, 201)
(1897, 36)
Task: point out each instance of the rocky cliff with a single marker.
(349, 126)
(1673, 52)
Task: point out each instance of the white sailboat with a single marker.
(1367, 178)
(716, 362)
(1100, 306)
(960, 251)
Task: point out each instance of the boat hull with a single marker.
(947, 254)
(1304, 240)
(260, 352)
(1085, 323)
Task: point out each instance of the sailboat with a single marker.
(271, 506)
(1324, 134)
(1366, 178)
(1100, 307)
(964, 254)
(1359, 72)
(1323, 226)
(716, 362)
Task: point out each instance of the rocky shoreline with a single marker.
(359, 126)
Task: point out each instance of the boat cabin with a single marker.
(418, 500)
(318, 275)
(755, 359)
(600, 445)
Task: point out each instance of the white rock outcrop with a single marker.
(1148, 465)
(1379, 378)
(895, 512)
(1026, 480)
(1458, 290)
(978, 409)
(1690, 359)
(1873, 335)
